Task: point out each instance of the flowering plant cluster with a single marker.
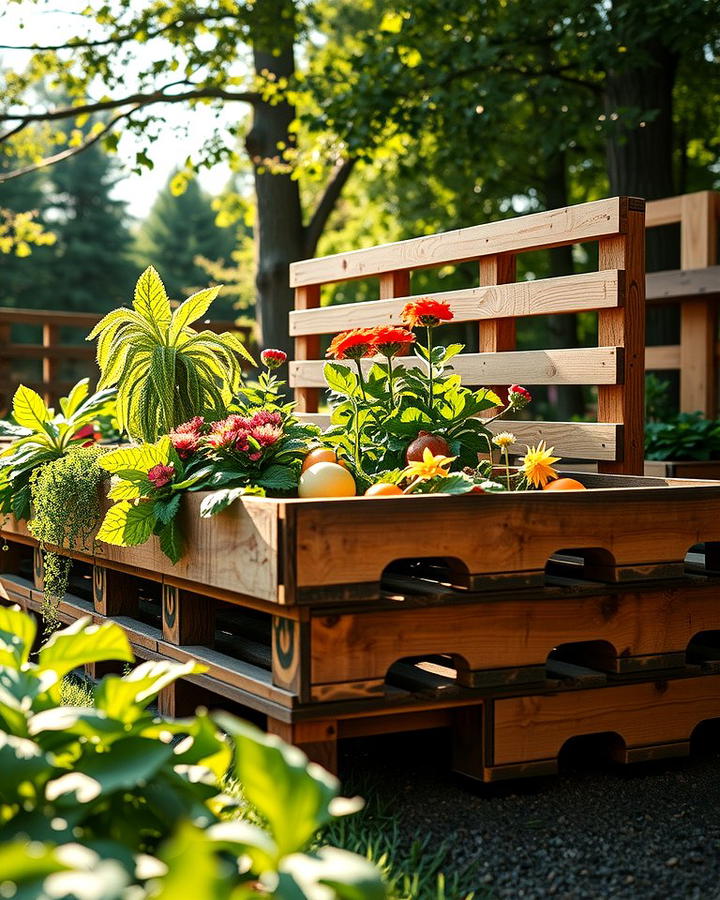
(258, 448)
(381, 406)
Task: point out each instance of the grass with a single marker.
(414, 867)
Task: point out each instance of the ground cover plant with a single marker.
(110, 799)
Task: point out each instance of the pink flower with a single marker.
(161, 475)
(518, 397)
(273, 359)
(193, 426)
(265, 417)
(266, 435)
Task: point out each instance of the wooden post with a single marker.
(291, 655)
(187, 618)
(317, 739)
(395, 284)
(624, 403)
(38, 569)
(49, 365)
(698, 317)
(307, 346)
(114, 593)
(497, 334)
(5, 370)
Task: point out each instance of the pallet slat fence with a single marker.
(696, 287)
(616, 291)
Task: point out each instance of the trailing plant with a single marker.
(117, 799)
(377, 413)
(66, 510)
(687, 436)
(41, 436)
(165, 371)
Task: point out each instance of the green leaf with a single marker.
(340, 379)
(165, 510)
(115, 695)
(278, 478)
(17, 633)
(349, 876)
(82, 642)
(75, 398)
(151, 300)
(140, 458)
(192, 309)
(294, 800)
(171, 542)
(127, 524)
(217, 501)
(29, 409)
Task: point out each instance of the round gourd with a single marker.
(326, 479)
(564, 484)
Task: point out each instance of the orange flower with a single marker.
(426, 311)
(390, 341)
(430, 466)
(353, 344)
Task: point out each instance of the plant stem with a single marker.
(361, 379)
(507, 467)
(430, 364)
(391, 374)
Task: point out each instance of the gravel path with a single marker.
(647, 831)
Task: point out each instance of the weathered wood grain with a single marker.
(586, 221)
(573, 293)
(588, 365)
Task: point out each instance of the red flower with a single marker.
(518, 397)
(425, 311)
(185, 444)
(161, 475)
(273, 359)
(229, 434)
(266, 435)
(265, 417)
(390, 341)
(353, 344)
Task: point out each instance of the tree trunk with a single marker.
(279, 231)
(569, 400)
(640, 159)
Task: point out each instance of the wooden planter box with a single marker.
(337, 618)
(685, 468)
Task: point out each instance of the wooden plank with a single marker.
(698, 318)
(511, 532)
(572, 293)
(498, 335)
(187, 618)
(663, 212)
(307, 347)
(588, 365)
(513, 634)
(586, 221)
(662, 358)
(573, 440)
(625, 327)
(659, 712)
(680, 283)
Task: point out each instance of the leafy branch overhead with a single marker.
(165, 371)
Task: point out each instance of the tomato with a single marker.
(381, 489)
(564, 484)
(321, 454)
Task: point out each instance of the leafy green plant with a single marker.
(166, 372)
(41, 436)
(66, 510)
(686, 437)
(142, 795)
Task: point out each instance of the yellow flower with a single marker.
(429, 466)
(504, 439)
(537, 465)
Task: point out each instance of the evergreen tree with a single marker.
(180, 228)
(92, 254)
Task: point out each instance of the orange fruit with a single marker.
(320, 454)
(381, 489)
(564, 484)
(326, 479)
